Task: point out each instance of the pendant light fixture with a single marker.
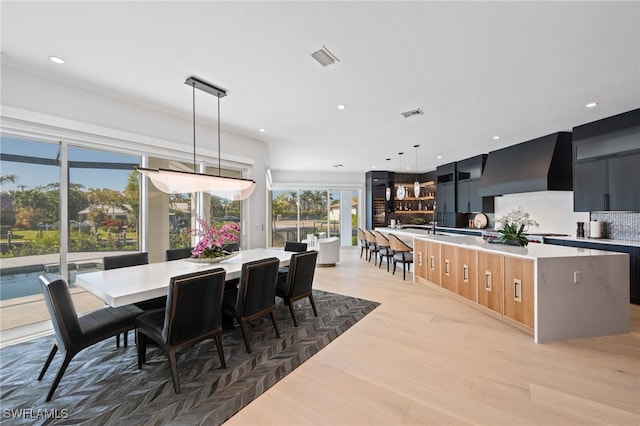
(180, 182)
(400, 193)
(388, 189)
(416, 184)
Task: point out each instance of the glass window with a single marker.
(29, 226)
(104, 206)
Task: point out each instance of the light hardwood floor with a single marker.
(425, 358)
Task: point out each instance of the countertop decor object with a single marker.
(212, 238)
(512, 227)
(480, 221)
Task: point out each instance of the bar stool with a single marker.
(364, 247)
(384, 248)
(402, 253)
(372, 246)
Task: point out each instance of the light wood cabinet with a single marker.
(490, 281)
(420, 259)
(448, 270)
(433, 262)
(518, 290)
(467, 271)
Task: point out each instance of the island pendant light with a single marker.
(180, 182)
(400, 193)
(416, 184)
(388, 189)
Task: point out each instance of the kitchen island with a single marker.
(552, 292)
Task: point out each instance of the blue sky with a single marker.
(33, 175)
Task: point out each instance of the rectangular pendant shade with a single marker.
(178, 182)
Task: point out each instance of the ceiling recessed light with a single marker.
(591, 104)
(309, 162)
(439, 157)
(373, 167)
(496, 137)
(56, 59)
(341, 107)
(262, 130)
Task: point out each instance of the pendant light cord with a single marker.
(194, 126)
(219, 174)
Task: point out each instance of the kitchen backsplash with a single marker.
(620, 225)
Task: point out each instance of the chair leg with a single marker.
(394, 266)
(126, 338)
(142, 348)
(387, 263)
(63, 367)
(293, 314)
(117, 340)
(275, 321)
(174, 369)
(404, 271)
(48, 361)
(313, 304)
(220, 350)
(243, 329)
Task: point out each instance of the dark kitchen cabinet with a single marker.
(378, 207)
(606, 155)
(468, 186)
(607, 184)
(446, 198)
(634, 260)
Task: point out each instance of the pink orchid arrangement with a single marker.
(213, 238)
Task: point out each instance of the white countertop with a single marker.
(532, 251)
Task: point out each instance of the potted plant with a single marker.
(512, 227)
(212, 238)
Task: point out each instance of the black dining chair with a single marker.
(292, 246)
(177, 253)
(74, 333)
(192, 314)
(125, 261)
(299, 282)
(231, 247)
(256, 294)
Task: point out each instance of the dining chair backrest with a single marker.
(178, 253)
(295, 246)
(257, 288)
(301, 271)
(194, 305)
(398, 245)
(371, 237)
(62, 311)
(382, 240)
(362, 236)
(231, 247)
(125, 260)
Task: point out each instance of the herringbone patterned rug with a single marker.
(103, 385)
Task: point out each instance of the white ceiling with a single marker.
(477, 69)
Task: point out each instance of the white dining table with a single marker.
(119, 287)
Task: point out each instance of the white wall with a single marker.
(553, 210)
(38, 100)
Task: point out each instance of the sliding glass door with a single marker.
(324, 213)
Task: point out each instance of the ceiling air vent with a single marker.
(324, 57)
(413, 112)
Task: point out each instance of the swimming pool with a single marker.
(24, 284)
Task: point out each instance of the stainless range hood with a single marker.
(542, 164)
